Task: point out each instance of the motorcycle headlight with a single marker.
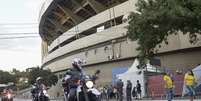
(9, 96)
(89, 84)
(44, 92)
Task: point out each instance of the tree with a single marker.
(21, 78)
(155, 20)
(49, 78)
(6, 77)
(19, 74)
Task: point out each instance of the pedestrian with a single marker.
(139, 91)
(109, 91)
(128, 90)
(120, 85)
(168, 86)
(105, 89)
(134, 92)
(190, 82)
(115, 93)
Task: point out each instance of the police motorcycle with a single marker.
(39, 92)
(85, 90)
(41, 95)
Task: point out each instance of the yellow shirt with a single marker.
(189, 80)
(168, 81)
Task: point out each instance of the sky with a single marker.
(19, 16)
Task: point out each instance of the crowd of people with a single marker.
(116, 91)
(189, 82)
(131, 91)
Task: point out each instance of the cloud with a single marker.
(29, 44)
(34, 6)
(18, 60)
(19, 53)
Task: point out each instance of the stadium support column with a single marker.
(58, 25)
(68, 12)
(81, 7)
(96, 5)
(44, 49)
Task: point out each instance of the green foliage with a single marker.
(49, 78)
(20, 77)
(22, 86)
(6, 77)
(19, 74)
(155, 20)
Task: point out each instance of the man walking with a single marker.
(120, 85)
(139, 91)
(128, 90)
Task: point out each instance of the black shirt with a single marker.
(138, 87)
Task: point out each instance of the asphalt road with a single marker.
(16, 99)
(112, 100)
(21, 100)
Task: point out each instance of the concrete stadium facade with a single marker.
(95, 31)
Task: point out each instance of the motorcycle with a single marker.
(7, 97)
(85, 90)
(65, 87)
(41, 96)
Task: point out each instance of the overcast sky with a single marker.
(19, 16)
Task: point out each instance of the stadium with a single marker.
(95, 31)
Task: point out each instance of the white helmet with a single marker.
(77, 63)
(39, 78)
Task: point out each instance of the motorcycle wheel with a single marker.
(93, 97)
(81, 96)
(10, 99)
(43, 98)
(65, 97)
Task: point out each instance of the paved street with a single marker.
(21, 100)
(112, 100)
(160, 100)
(16, 99)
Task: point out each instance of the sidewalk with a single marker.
(160, 100)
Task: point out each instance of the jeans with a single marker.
(169, 92)
(120, 95)
(128, 96)
(191, 91)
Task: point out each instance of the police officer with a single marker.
(37, 88)
(75, 74)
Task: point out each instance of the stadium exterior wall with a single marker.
(111, 48)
